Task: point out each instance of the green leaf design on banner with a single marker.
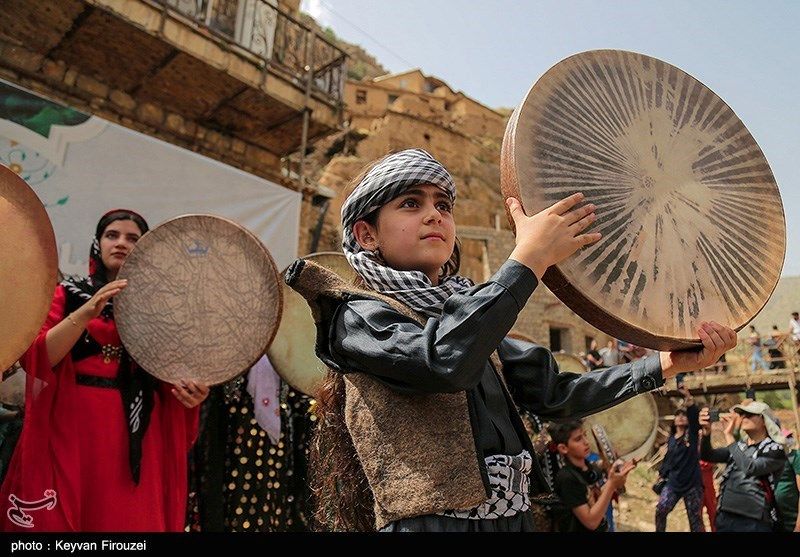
(35, 113)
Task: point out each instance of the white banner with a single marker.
(82, 166)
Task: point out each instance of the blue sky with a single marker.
(493, 50)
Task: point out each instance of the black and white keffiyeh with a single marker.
(509, 481)
(384, 182)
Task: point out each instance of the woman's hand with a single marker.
(717, 339)
(96, 303)
(61, 338)
(189, 393)
(552, 235)
(705, 421)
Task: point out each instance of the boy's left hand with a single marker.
(619, 472)
(717, 339)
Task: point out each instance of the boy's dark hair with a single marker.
(561, 432)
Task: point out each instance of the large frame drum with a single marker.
(203, 300)
(292, 352)
(691, 216)
(28, 266)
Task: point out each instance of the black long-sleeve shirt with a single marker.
(451, 353)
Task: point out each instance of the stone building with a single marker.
(411, 109)
(241, 81)
(427, 97)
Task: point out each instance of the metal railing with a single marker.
(281, 41)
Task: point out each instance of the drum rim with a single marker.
(273, 266)
(14, 348)
(311, 256)
(556, 280)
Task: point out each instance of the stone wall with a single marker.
(474, 164)
(62, 83)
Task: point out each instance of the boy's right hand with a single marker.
(552, 235)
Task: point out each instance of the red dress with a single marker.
(70, 469)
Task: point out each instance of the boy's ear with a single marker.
(365, 235)
(562, 449)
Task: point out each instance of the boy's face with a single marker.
(414, 232)
(577, 446)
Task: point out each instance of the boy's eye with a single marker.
(409, 203)
(444, 206)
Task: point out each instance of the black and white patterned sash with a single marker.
(509, 480)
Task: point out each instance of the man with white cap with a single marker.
(747, 500)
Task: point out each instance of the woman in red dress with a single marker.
(104, 445)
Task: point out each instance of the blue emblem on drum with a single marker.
(197, 249)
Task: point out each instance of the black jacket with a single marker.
(750, 476)
(452, 353)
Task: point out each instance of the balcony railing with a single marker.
(282, 42)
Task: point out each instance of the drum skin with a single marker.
(203, 300)
(631, 426)
(569, 362)
(691, 216)
(292, 352)
(28, 266)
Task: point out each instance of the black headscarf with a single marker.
(136, 387)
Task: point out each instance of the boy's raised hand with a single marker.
(716, 338)
(552, 235)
